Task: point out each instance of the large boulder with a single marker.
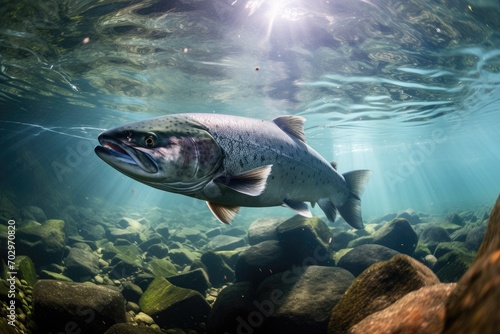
(81, 263)
(218, 270)
(43, 243)
(360, 258)
(171, 306)
(261, 261)
(195, 280)
(397, 235)
(232, 306)
(474, 306)
(421, 311)
(378, 287)
(225, 242)
(162, 268)
(32, 213)
(66, 306)
(306, 238)
(432, 235)
(263, 229)
(475, 237)
(298, 300)
(26, 269)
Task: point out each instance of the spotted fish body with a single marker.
(232, 161)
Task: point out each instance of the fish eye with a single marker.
(150, 139)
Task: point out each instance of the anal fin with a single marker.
(328, 208)
(300, 207)
(224, 213)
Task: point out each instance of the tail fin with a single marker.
(351, 210)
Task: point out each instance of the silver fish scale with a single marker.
(299, 173)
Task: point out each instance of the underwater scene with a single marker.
(249, 166)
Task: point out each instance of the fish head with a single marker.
(171, 153)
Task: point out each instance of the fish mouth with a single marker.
(125, 158)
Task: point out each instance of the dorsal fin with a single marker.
(292, 125)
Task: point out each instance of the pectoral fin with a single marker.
(252, 182)
(224, 213)
(300, 207)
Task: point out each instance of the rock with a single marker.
(196, 280)
(193, 234)
(43, 243)
(232, 306)
(454, 218)
(446, 247)
(134, 307)
(46, 274)
(305, 237)
(475, 237)
(421, 311)
(171, 306)
(143, 280)
(32, 213)
(81, 245)
(153, 240)
(8, 210)
(452, 265)
(378, 287)
(231, 257)
(362, 257)
(128, 254)
(421, 251)
(131, 292)
(461, 234)
(430, 261)
(397, 235)
(81, 264)
(364, 240)
(126, 222)
(162, 268)
(411, 216)
(450, 228)
(299, 300)
(183, 256)
(432, 235)
(474, 306)
(158, 250)
(341, 239)
(129, 328)
(163, 230)
(143, 318)
(213, 232)
(263, 229)
(92, 232)
(236, 232)
(218, 271)
(26, 269)
(225, 242)
(178, 236)
(261, 261)
(133, 236)
(60, 306)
